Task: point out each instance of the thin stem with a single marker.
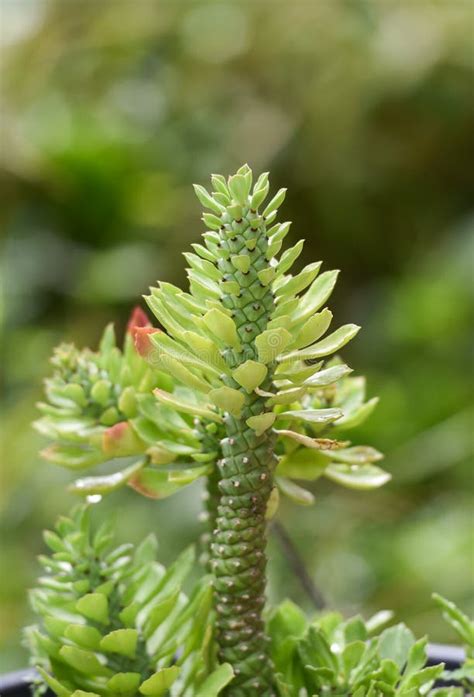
(298, 566)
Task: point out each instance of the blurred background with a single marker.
(364, 110)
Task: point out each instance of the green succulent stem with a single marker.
(245, 481)
(211, 497)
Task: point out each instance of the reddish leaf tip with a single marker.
(138, 318)
(141, 337)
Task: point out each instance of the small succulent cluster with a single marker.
(116, 623)
(100, 407)
(330, 656)
(312, 450)
(463, 626)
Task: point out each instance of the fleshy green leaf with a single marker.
(72, 456)
(328, 376)
(295, 284)
(121, 641)
(261, 422)
(313, 329)
(216, 681)
(239, 187)
(159, 683)
(288, 257)
(272, 504)
(228, 399)
(456, 618)
(303, 464)
(104, 484)
(325, 347)
(395, 644)
(241, 262)
(206, 349)
(271, 343)
(250, 375)
(185, 407)
(83, 635)
(124, 684)
(154, 483)
(351, 419)
(361, 477)
(315, 297)
(266, 276)
(83, 661)
(294, 492)
(223, 327)
(357, 455)
(95, 607)
(259, 196)
(275, 203)
(316, 416)
(207, 200)
(54, 684)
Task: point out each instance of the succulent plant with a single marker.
(100, 407)
(332, 656)
(247, 340)
(116, 623)
(464, 628)
(247, 393)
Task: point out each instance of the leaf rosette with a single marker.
(100, 408)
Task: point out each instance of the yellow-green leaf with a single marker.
(316, 416)
(124, 684)
(83, 635)
(171, 400)
(325, 347)
(222, 326)
(228, 399)
(105, 483)
(357, 476)
(216, 681)
(250, 375)
(83, 661)
(261, 422)
(313, 328)
(241, 262)
(315, 297)
(160, 682)
(95, 607)
(271, 343)
(294, 492)
(121, 641)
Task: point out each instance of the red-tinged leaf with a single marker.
(121, 440)
(138, 318)
(141, 338)
(153, 483)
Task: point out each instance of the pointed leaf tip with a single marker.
(138, 318)
(141, 339)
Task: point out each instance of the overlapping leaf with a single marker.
(331, 656)
(115, 622)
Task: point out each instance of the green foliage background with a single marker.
(364, 109)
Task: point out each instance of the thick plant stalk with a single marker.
(210, 498)
(246, 480)
(244, 346)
